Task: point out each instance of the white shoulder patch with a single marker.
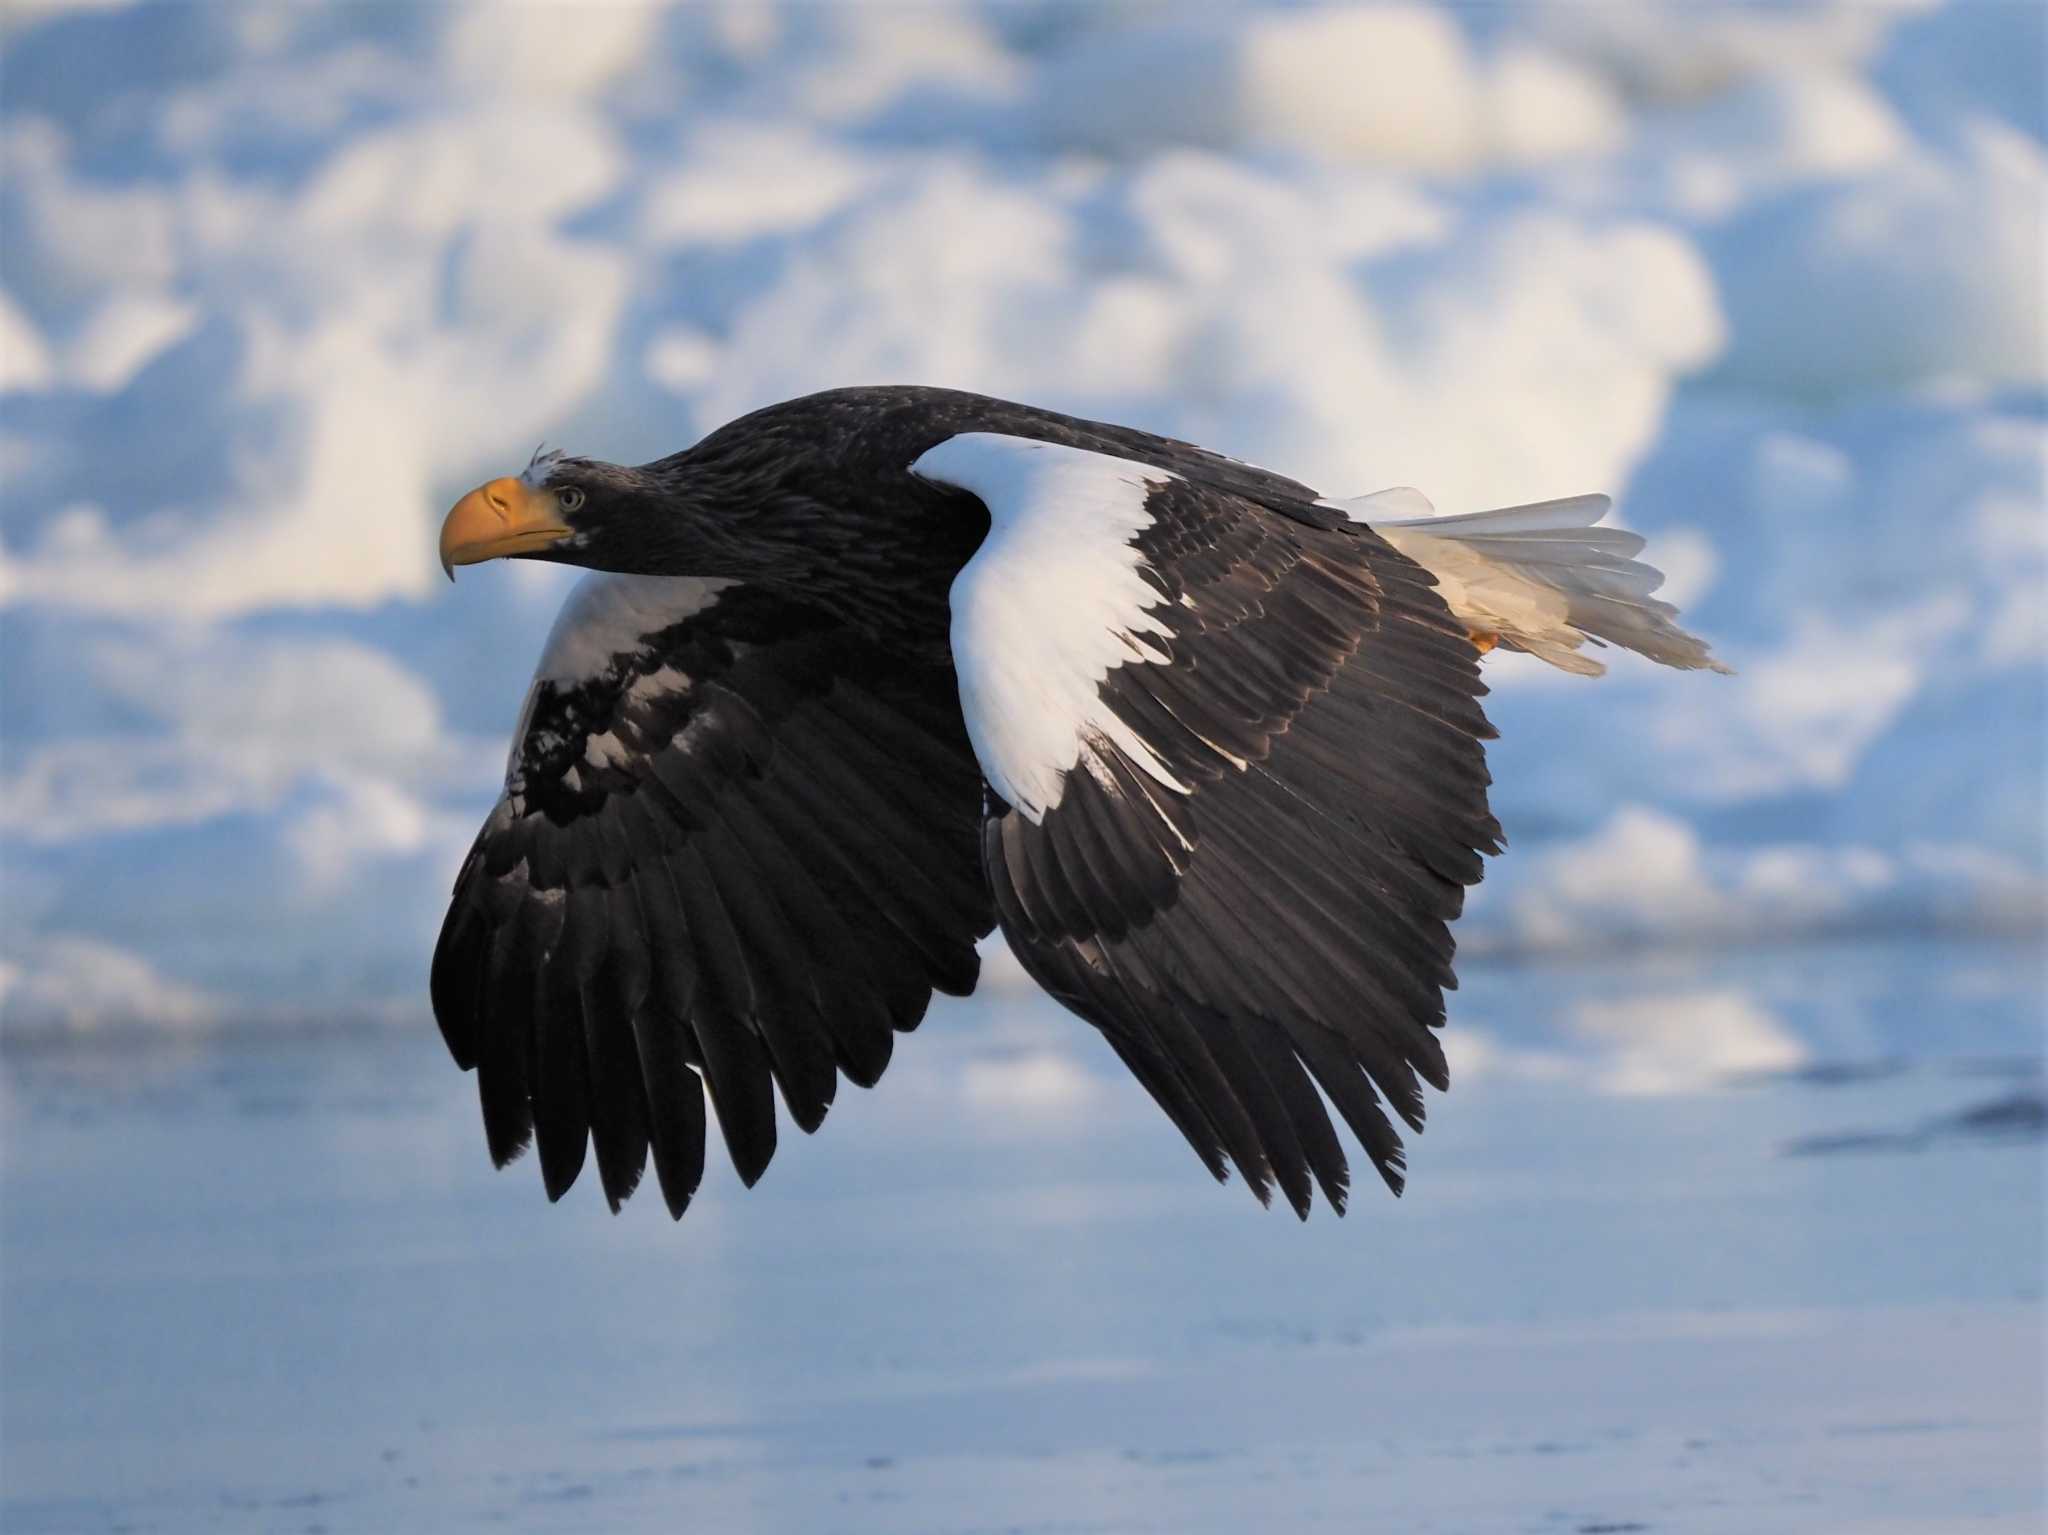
(606, 615)
(1050, 603)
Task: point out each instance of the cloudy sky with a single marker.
(277, 283)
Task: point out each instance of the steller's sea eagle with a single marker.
(863, 675)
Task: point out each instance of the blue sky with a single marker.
(277, 283)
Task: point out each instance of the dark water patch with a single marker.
(1277, 1334)
(1859, 1071)
(2019, 1068)
(2019, 1118)
(568, 1492)
(2023, 1116)
(290, 1500)
(1845, 1073)
(1855, 1142)
(1912, 1427)
(1173, 1457)
(59, 1516)
(657, 1433)
(283, 1077)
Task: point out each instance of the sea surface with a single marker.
(269, 1282)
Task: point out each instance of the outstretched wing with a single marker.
(737, 843)
(1244, 789)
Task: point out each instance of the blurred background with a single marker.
(281, 282)
(278, 282)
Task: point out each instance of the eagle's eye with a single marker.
(570, 499)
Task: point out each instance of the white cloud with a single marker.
(288, 98)
(1804, 715)
(240, 728)
(1647, 879)
(864, 58)
(412, 311)
(20, 15)
(1808, 125)
(541, 49)
(68, 789)
(1810, 883)
(1683, 51)
(25, 361)
(1393, 83)
(281, 706)
(1389, 85)
(1248, 311)
(1542, 107)
(1643, 872)
(70, 981)
(124, 335)
(1786, 129)
(1001, 971)
(680, 358)
(1800, 478)
(741, 180)
(1926, 268)
(982, 265)
(1978, 886)
(2010, 534)
(504, 166)
(1874, 559)
(1658, 1044)
(70, 237)
(1037, 1082)
(1690, 564)
(363, 820)
(1476, 1055)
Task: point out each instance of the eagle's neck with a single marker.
(823, 509)
(880, 563)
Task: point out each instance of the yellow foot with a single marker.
(1482, 641)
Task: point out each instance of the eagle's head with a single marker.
(574, 511)
(731, 507)
(813, 497)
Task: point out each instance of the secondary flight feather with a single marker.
(863, 675)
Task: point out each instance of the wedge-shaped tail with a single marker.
(1544, 578)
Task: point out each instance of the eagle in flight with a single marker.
(863, 675)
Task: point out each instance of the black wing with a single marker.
(744, 850)
(1285, 922)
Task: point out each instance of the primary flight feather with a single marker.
(865, 674)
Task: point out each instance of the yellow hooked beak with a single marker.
(503, 517)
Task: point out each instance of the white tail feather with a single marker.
(1543, 578)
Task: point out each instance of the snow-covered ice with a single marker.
(272, 1284)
